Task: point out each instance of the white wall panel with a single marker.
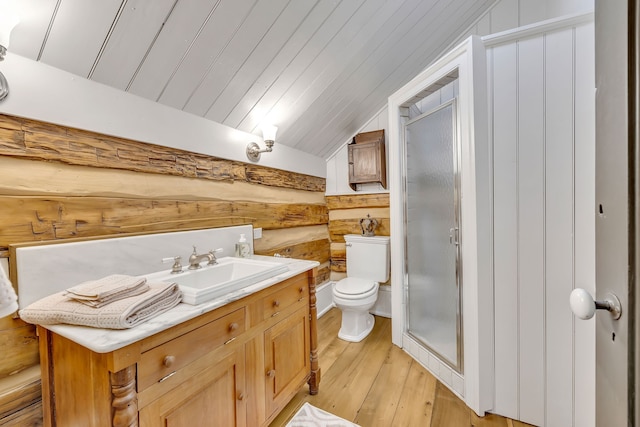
(544, 240)
(90, 19)
(531, 225)
(169, 48)
(504, 16)
(505, 160)
(301, 39)
(216, 35)
(531, 11)
(585, 214)
(559, 225)
(139, 17)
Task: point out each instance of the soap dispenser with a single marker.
(243, 250)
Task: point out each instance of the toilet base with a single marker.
(356, 325)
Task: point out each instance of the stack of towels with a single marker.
(114, 302)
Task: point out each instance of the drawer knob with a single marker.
(168, 361)
(271, 373)
(233, 326)
(276, 303)
(301, 289)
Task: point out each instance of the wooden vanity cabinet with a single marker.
(238, 365)
(214, 396)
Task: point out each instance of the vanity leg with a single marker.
(314, 379)
(124, 398)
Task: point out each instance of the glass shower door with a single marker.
(433, 237)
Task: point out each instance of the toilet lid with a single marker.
(354, 286)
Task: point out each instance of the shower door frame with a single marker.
(468, 62)
(456, 238)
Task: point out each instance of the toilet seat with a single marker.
(355, 288)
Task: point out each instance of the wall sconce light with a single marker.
(269, 137)
(7, 22)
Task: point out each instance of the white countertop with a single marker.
(106, 340)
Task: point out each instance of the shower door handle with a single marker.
(453, 236)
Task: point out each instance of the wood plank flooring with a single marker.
(375, 384)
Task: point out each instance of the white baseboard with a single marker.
(383, 304)
(324, 300)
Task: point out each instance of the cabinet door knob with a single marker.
(241, 396)
(168, 361)
(276, 303)
(271, 373)
(301, 289)
(233, 326)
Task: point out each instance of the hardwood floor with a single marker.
(374, 383)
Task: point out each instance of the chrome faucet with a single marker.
(195, 259)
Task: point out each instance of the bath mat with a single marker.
(310, 416)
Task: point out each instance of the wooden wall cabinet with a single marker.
(367, 159)
(238, 365)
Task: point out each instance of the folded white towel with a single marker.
(98, 293)
(121, 314)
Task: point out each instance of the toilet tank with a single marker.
(368, 257)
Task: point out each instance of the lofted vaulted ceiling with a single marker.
(318, 69)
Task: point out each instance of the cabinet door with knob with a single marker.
(214, 396)
(286, 358)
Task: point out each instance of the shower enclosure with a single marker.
(433, 234)
(441, 226)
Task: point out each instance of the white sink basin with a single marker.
(228, 275)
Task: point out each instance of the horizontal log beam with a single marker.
(377, 200)
(19, 350)
(339, 265)
(27, 219)
(338, 228)
(324, 274)
(18, 391)
(29, 139)
(316, 250)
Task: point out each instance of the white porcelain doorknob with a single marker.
(584, 307)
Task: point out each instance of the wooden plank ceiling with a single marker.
(318, 69)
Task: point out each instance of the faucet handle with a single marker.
(177, 264)
(212, 258)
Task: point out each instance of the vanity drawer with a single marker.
(161, 362)
(276, 302)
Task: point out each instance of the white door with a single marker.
(616, 219)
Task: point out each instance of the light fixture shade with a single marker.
(8, 21)
(269, 132)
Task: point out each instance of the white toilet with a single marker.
(367, 266)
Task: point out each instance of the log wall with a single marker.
(345, 213)
(60, 183)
